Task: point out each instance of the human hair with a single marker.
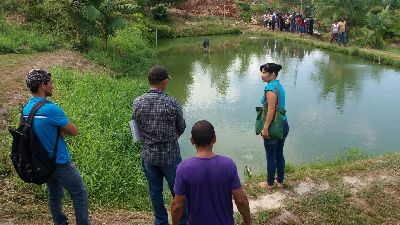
(157, 74)
(203, 133)
(35, 78)
(271, 68)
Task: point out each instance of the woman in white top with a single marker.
(335, 31)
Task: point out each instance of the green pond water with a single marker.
(333, 101)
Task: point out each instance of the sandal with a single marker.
(265, 185)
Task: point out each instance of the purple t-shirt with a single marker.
(207, 184)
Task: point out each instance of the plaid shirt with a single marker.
(160, 121)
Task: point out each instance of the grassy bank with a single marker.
(377, 56)
(110, 164)
(353, 189)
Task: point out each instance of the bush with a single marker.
(127, 53)
(163, 31)
(160, 13)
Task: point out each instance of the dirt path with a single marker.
(21, 207)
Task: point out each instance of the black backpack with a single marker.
(31, 161)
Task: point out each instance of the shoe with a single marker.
(265, 185)
(279, 185)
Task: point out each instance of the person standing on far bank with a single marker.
(160, 122)
(342, 32)
(273, 147)
(47, 120)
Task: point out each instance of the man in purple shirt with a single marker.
(208, 182)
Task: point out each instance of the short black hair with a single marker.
(203, 133)
(157, 74)
(271, 68)
(35, 78)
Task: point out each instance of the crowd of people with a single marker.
(298, 23)
(289, 22)
(203, 186)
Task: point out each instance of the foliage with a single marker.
(150, 3)
(103, 152)
(16, 39)
(160, 13)
(206, 29)
(245, 11)
(128, 53)
(105, 16)
(164, 31)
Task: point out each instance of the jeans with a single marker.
(342, 38)
(155, 175)
(67, 176)
(275, 158)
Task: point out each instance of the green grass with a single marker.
(261, 217)
(328, 207)
(5, 161)
(127, 53)
(375, 203)
(17, 39)
(108, 161)
(104, 153)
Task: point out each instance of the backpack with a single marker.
(273, 18)
(31, 161)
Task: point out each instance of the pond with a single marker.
(334, 101)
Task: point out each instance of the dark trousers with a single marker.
(155, 176)
(275, 158)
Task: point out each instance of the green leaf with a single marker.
(91, 13)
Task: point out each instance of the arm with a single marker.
(271, 98)
(180, 121)
(242, 204)
(177, 208)
(69, 129)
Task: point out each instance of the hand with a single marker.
(264, 133)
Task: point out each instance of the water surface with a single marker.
(333, 101)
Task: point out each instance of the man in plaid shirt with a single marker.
(159, 119)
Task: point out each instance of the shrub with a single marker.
(159, 12)
(127, 53)
(163, 31)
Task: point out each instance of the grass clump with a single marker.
(328, 207)
(17, 39)
(261, 217)
(109, 162)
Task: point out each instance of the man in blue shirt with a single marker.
(47, 120)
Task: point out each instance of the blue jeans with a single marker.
(67, 176)
(342, 38)
(155, 175)
(275, 158)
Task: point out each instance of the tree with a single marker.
(105, 16)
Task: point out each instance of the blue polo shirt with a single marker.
(271, 87)
(45, 123)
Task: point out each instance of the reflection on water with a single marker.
(333, 101)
